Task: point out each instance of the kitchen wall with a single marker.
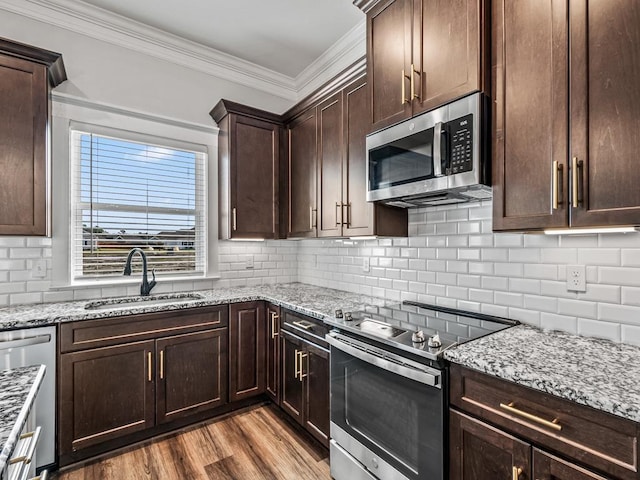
(273, 262)
(452, 258)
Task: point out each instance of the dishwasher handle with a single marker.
(24, 342)
(386, 360)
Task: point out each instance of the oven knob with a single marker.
(339, 313)
(417, 336)
(374, 462)
(434, 341)
(347, 316)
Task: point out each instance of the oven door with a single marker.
(387, 412)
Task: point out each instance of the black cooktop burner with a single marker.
(399, 326)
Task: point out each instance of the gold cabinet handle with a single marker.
(234, 219)
(274, 320)
(149, 358)
(302, 356)
(304, 325)
(161, 364)
(338, 207)
(557, 178)
(517, 471)
(405, 77)
(553, 424)
(413, 87)
(295, 373)
(311, 224)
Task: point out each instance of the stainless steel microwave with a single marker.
(434, 158)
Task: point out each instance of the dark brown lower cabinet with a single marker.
(305, 384)
(273, 353)
(247, 344)
(482, 452)
(120, 390)
(105, 393)
(191, 377)
(548, 467)
(502, 430)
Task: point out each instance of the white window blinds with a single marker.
(133, 194)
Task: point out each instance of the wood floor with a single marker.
(254, 444)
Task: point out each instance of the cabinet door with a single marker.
(530, 128)
(605, 101)
(292, 399)
(23, 150)
(447, 51)
(314, 365)
(302, 176)
(105, 393)
(330, 167)
(548, 467)
(273, 353)
(389, 61)
(358, 213)
(247, 342)
(481, 452)
(191, 374)
(255, 146)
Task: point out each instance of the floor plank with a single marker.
(254, 444)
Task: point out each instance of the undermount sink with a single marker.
(132, 302)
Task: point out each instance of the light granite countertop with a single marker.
(589, 371)
(311, 300)
(18, 390)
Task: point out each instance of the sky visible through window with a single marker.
(120, 174)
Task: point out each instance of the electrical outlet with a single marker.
(39, 269)
(248, 263)
(576, 278)
(366, 264)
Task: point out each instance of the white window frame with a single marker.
(126, 124)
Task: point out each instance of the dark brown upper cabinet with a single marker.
(26, 76)
(327, 168)
(248, 164)
(565, 138)
(422, 54)
(303, 210)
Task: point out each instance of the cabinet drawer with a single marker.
(306, 327)
(588, 436)
(104, 332)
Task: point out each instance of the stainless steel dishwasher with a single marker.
(36, 346)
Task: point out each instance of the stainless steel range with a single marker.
(389, 388)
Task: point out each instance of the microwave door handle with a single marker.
(437, 150)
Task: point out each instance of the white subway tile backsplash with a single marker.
(595, 328)
(619, 313)
(631, 296)
(577, 308)
(599, 256)
(630, 334)
(619, 276)
(558, 322)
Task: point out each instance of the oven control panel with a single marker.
(461, 132)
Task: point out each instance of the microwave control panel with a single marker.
(461, 134)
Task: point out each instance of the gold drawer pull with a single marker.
(274, 321)
(149, 359)
(306, 326)
(517, 471)
(534, 418)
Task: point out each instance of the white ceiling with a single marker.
(282, 35)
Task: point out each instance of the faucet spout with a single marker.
(146, 286)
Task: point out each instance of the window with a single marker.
(130, 192)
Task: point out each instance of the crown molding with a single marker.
(345, 52)
(61, 99)
(79, 17)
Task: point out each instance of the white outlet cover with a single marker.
(366, 264)
(576, 278)
(249, 262)
(39, 269)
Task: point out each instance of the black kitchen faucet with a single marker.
(146, 286)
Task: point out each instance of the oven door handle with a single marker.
(423, 374)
